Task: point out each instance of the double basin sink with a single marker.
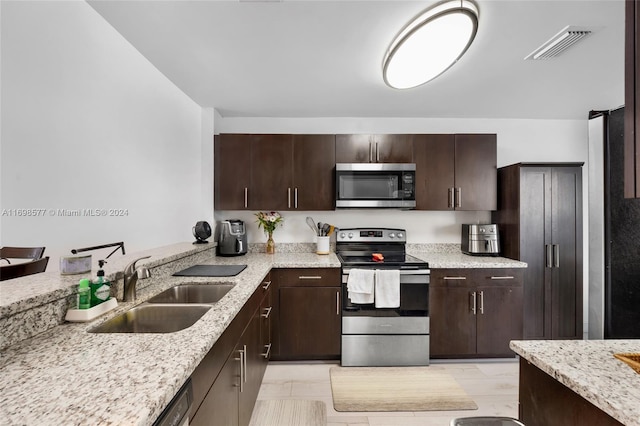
(172, 310)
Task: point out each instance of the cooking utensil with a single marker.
(331, 229)
(325, 229)
(312, 225)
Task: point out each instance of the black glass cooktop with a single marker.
(403, 260)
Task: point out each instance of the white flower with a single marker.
(272, 218)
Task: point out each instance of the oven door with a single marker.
(375, 185)
(414, 297)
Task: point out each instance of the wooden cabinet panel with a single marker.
(374, 148)
(310, 317)
(632, 100)
(545, 401)
(499, 310)
(474, 312)
(456, 172)
(220, 407)
(274, 172)
(542, 226)
(232, 162)
(307, 321)
(452, 325)
(314, 165)
(434, 156)
(271, 171)
(353, 149)
(231, 373)
(476, 172)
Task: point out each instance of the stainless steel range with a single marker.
(385, 299)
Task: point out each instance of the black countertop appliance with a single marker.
(231, 237)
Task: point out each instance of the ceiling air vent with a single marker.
(559, 43)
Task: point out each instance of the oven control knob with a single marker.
(342, 235)
(400, 235)
(392, 235)
(350, 234)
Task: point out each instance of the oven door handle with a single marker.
(346, 271)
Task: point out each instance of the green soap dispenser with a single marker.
(84, 294)
(100, 289)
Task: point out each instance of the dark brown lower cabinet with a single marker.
(227, 381)
(474, 312)
(545, 401)
(309, 313)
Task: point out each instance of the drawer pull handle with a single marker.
(266, 285)
(266, 313)
(506, 277)
(268, 351)
(455, 278)
(309, 277)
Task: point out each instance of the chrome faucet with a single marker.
(131, 275)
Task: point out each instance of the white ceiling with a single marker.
(324, 58)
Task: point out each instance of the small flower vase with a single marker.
(271, 245)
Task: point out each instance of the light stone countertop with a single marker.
(588, 368)
(457, 259)
(69, 376)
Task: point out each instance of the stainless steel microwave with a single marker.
(375, 185)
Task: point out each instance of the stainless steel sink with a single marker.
(148, 318)
(192, 293)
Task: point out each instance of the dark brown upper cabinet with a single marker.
(232, 172)
(456, 172)
(374, 148)
(314, 162)
(274, 172)
(632, 100)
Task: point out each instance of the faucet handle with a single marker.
(132, 266)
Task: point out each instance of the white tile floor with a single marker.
(493, 385)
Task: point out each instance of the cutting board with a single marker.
(211, 271)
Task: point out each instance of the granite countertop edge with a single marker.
(67, 361)
(589, 368)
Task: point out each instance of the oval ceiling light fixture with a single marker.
(430, 44)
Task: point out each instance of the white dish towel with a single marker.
(387, 288)
(360, 285)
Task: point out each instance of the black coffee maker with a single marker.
(232, 238)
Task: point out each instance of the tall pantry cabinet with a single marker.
(539, 218)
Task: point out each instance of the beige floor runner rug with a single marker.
(396, 389)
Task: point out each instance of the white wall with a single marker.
(89, 123)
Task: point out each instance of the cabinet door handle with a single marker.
(548, 255)
(458, 197)
(556, 255)
(506, 277)
(244, 353)
(337, 302)
(454, 278)
(309, 277)
(288, 198)
(295, 198)
(267, 352)
(482, 302)
(266, 284)
(266, 313)
(473, 302)
(377, 154)
(246, 197)
(241, 359)
(451, 200)
(370, 152)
